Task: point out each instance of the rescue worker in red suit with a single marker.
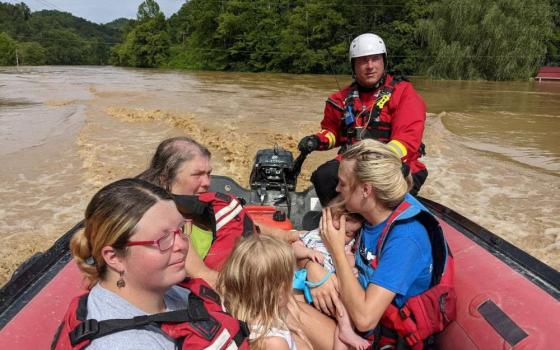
(376, 105)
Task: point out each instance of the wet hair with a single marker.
(111, 218)
(379, 166)
(168, 159)
(255, 283)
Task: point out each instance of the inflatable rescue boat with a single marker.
(506, 299)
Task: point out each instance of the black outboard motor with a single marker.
(272, 182)
(272, 170)
(274, 176)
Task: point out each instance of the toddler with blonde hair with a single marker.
(256, 287)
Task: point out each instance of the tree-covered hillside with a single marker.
(54, 37)
(448, 39)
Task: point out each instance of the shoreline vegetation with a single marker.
(442, 39)
(490, 40)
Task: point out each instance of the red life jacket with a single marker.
(203, 325)
(431, 311)
(224, 215)
(356, 118)
(393, 113)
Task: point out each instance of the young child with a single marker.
(256, 287)
(311, 246)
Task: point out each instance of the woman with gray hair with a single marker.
(182, 166)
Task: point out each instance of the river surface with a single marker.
(493, 147)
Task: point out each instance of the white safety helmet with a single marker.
(367, 44)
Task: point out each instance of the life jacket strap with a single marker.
(375, 129)
(91, 329)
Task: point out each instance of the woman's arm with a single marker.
(288, 236)
(317, 328)
(196, 268)
(365, 307)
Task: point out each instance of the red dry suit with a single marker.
(400, 121)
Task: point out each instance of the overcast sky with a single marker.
(99, 11)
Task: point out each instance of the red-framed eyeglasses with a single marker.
(167, 240)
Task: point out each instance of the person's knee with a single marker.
(418, 180)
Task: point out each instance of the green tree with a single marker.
(80, 41)
(298, 36)
(64, 47)
(194, 30)
(553, 44)
(7, 50)
(248, 33)
(311, 41)
(13, 17)
(485, 39)
(31, 54)
(147, 44)
(147, 10)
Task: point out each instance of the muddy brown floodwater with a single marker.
(493, 148)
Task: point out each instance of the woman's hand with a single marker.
(333, 238)
(325, 296)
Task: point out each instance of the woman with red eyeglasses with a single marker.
(132, 255)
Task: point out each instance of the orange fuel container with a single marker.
(269, 216)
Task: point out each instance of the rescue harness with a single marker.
(365, 124)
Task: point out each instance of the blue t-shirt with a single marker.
(405, 267)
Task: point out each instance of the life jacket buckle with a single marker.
(85, 330)
(404, 313)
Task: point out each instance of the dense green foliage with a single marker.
(301, 36)
(7, 50)
(450, 39)
(54, 37)
(147, 43)
(485, 39)
(553, 45)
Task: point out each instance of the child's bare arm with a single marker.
(302, 252)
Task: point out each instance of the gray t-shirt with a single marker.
(104, 305)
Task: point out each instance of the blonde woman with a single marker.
(256, 287)
(394, 257)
